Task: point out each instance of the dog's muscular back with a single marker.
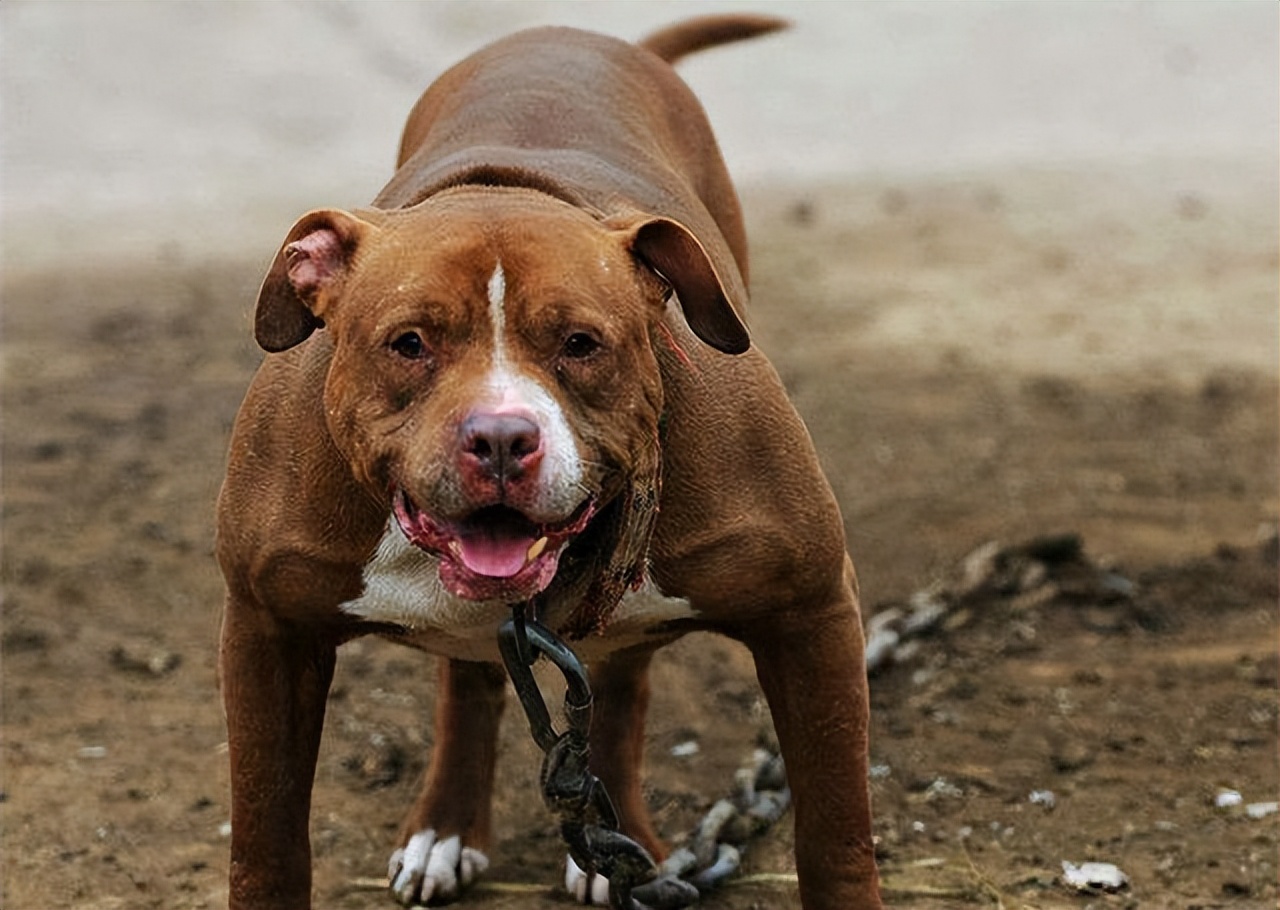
(525, 111)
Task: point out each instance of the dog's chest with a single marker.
(402, 587)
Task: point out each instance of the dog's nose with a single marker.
(503, 446)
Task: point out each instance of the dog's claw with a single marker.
(428, 869)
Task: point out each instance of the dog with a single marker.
(523, 375)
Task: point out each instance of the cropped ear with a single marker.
(670, 249)
(311, 265)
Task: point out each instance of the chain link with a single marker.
(588, 820)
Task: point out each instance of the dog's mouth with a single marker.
(495, 552)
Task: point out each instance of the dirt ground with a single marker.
(998, 358)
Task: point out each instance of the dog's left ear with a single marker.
(670, 249)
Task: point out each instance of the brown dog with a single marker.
(533, 383)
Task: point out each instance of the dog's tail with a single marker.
(684, 38)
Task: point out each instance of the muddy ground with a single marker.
(999, 358)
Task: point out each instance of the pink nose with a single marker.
(503, 447)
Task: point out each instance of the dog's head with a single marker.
(493, 372)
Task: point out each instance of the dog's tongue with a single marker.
(496, 550)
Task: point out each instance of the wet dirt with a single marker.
(974, 364)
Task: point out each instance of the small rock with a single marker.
(942, 789)
(685, 749)
(1036, 597)
(1094, 877)
(1227, 798)
(1261, 810)
(154, 662)
(957, 620)
(1032, 576)
(1044, 798)
(978, 568)
(1115, 586)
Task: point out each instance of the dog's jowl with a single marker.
(522, 375)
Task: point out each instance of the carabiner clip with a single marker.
(521, 641)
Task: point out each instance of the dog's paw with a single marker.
(587, 888)
(430, 869)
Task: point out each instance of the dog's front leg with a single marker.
(446, 830)
(275, 679)
(811, 667)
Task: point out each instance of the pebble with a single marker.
(1226, 798)
(1044, 798)
(978, 568)
(685, 749)
(154, 662)
(1094, 877)
(942, 789)
(1261, 810)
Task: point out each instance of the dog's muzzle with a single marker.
(495, 552)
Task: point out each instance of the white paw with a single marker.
(588, 889)
(430, 869)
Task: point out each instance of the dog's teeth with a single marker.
(536, 550)
(455, 548)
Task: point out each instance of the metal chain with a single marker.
(588, 820)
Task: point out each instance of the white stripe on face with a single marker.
(510, 391)
(498, 314)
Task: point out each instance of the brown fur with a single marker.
(587, 168)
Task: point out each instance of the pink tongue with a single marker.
(495, 556)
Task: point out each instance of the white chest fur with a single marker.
(402, 587)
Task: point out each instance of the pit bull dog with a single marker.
(522, 376)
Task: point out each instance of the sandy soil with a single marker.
(993, 358)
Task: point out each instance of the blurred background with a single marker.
(130, 126)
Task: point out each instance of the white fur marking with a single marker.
(442, 869)
(428, 868)
(510, 391)
(498, 314)
(586, 889)
(402, 586)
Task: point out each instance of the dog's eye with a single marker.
(410, 346)
(580, 345)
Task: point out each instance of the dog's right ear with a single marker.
(309, 269)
